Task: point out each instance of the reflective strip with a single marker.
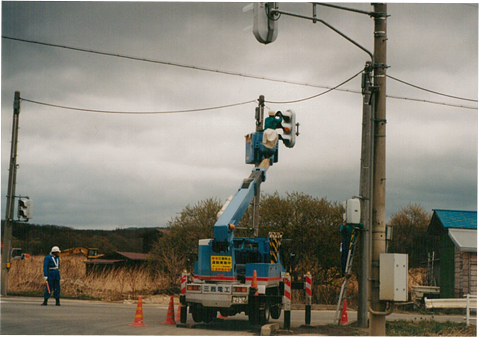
(308, 283)
(287, 293)
(184, 277)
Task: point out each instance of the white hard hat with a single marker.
(55, 249)
(271, 113)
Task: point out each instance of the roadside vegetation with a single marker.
(310, 229)
(26, 278)
(393, 328)
(429, 328)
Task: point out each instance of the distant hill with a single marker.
(39, 239)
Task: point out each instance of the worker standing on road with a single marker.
(51, 273)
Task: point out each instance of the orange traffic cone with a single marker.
(170, 315)
(344, 314)
(139, 314)
(254, 283)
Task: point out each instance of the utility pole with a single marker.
(7, 234)
(373, 160)
(365, 193)
(256, 200)
(377, 309)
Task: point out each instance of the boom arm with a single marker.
(224, 227)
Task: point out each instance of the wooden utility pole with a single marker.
(12, 176)
(377, 309)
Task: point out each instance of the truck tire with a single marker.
(197, 313)
(209, 314)
(275, 311)
(264, 314)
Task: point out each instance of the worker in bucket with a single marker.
(271, 123)
(51, 274)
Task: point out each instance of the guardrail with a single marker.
(469, 303)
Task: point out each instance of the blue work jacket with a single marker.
(51, 267)
(272, 122)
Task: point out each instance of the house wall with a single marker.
(465, 274)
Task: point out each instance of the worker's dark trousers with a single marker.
(54, 288)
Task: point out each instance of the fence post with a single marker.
(287, 301)
(183, 306)
(308, 288)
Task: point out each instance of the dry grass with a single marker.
(26, 277)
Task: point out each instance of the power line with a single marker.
(222, 106)
(431, 91)
(182, 111)
(242, 75)
(320, 94)
(136, 112)
(174, 64)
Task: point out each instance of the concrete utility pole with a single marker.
(365, 193)
(7, 234)
(377, 309)
(257, 197)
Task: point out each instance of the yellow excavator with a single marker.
(90, 253)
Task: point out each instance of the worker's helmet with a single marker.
(271, 113)
(55, 249)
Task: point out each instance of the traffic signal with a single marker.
(265, 27)
(25, 209)
(289, 128)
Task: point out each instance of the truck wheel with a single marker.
(197, 314)
(209, 314)
(264, 314)
(275, 311)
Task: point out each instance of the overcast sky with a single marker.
(107, 171)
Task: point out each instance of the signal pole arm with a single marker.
(275, 12)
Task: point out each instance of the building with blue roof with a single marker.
(452, 249)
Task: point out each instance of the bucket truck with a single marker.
(241, 274)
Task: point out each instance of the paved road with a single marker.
(25, 316)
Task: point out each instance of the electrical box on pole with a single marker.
(265, 26)
(393, 277)
(352, 211)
